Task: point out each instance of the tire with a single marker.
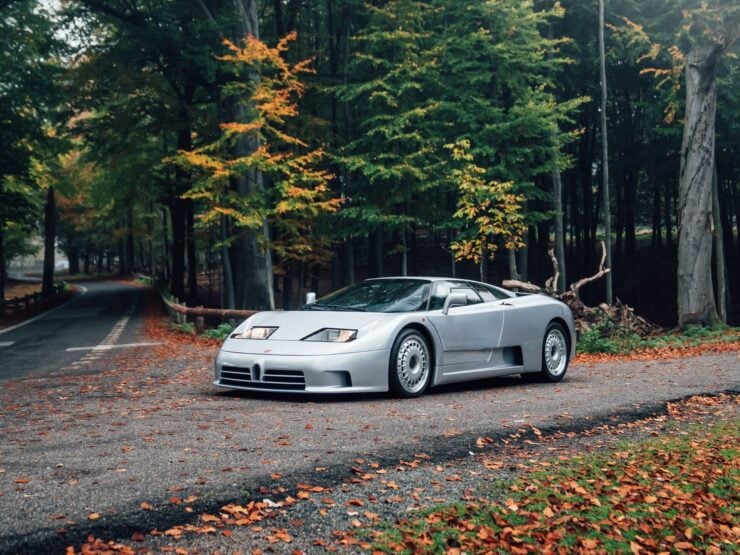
(410, 366)
(555, 355)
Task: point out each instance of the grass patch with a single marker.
(188, 328)
(221, 332)
(671, 494)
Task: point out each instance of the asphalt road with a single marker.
(142, 424)
(64, 336)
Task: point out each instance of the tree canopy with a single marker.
(255, 146)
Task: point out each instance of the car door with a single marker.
(468, 334)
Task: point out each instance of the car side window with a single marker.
(489, 293)
(484, 292)
(443, 288)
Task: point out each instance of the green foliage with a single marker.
(221, 332)
(395, 75)
(487, 211)
(188, 328)
(592, 341)
(607, 337)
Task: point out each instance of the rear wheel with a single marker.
(410, 365)
(555, 354)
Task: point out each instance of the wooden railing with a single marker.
(26, 301)
(181, 313)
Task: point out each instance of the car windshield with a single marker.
(378, 295)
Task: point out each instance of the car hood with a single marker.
(292, 326)
(297, 324)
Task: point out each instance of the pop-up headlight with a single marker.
(332, 335)
(256, 332)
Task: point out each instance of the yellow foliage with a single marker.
(299, 189)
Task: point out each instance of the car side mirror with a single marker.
(454, 299)
(310, 297)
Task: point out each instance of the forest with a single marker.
(249, 151)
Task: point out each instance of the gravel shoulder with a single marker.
(82, 450)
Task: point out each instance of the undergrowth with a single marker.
(612, 339)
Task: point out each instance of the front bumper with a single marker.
(361, 372)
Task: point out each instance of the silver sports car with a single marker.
(399, 334)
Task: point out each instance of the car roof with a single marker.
(427, 278)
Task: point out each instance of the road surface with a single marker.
(102, 431)
(71, 334)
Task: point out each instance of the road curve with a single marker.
(63, 336)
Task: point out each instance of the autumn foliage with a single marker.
(287, 185)
(662, 496)
(488, 212)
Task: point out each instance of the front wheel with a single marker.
(554, 355)
(410, 365)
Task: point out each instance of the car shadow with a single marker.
(438, 391)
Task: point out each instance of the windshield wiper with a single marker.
(336, 307)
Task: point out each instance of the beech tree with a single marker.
(712, 31)
(295, 192)
(488, 212)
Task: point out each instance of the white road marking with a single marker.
(103, 347)
(6, 343)
(43, 314)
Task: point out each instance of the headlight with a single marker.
(333, 335)
(257, 332)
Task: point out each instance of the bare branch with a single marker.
(574, 287)
(552, 284)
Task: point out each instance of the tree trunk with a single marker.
(177, 217)
(229, 297)
(483, 266)
(404, 254)
(191, 254)
(667, 219)
(695, 291)
(513, 271)
(523, 260)
(349, 261)
(657, 240)
(47, 285)
(165, 246)
(719, 253)
(557, 194)
(287, 290)
(130, 247)
(605, 157)
(377, 243)
(251, 257)
(73, 255)
(2, 267)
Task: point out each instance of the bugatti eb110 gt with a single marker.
(400, 334)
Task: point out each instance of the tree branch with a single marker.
(135, 18)
(552, 284)
(574, 287)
